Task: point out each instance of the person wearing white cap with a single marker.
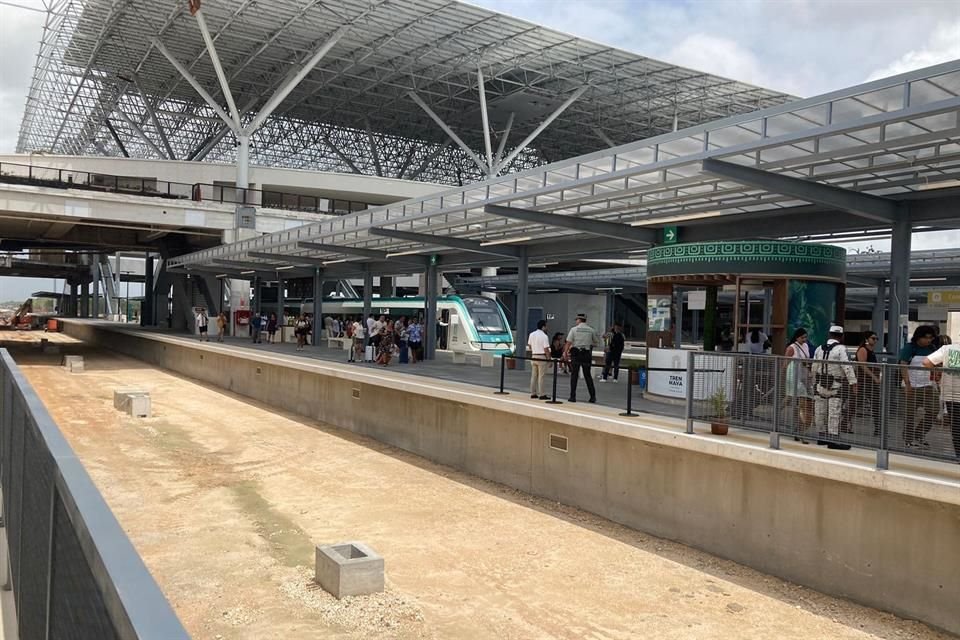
(829, 375)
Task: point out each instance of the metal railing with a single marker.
(72, 569)
(13, 173)
(854, 404)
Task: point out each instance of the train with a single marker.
(469, 324)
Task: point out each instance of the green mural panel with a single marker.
(813, 306)
(752, 257)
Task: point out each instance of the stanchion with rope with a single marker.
(503, 373)
(553, 400)
(629, 413)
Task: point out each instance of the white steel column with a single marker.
(215, 59)
(543, 125)
(447, 130)
(503, 140)
(486, 121)
(243, 162)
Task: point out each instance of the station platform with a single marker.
(824, 519)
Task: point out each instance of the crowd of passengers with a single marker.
(825, 390)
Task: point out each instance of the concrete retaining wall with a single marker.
(883, 539)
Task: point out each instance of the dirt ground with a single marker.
(225, 500)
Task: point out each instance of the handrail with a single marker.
(16, 173)
(56, 518)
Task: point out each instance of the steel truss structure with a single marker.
(433, 90)
(881, 156)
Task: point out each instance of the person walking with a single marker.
(581, 340)
(359, 340)
(271, 328)
(869, 397)
(797, 380)
(300, 330)
(221, 325)
(415, 339)
(613, 353)
(830, 372)
(947, 357)
(539, 344)
(202, 324)
(256, 324)
(920, 390)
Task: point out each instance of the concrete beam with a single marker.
(860, 204)
(376, 254)
(585, 225)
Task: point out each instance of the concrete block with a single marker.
(349, 569)
(487, 359)
(459, 357)
(135, 402)
(73, 364)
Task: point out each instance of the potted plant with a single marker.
(718, 413)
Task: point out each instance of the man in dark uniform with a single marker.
(581, 340)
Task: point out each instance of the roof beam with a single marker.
(860, 204)
(447, 241)
(287, 258)
(585, 225)
(217, 67)
(536, 132)
(143, 136)
(294, 80)
(350, 251)
(195, 84)
(446, 129)
(153, 117)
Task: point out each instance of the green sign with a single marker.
(433, 259)
(670, 235)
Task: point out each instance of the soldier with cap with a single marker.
(581, 340)
(830, 373)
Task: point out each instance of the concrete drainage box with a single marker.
(132, 401)
(73, 364)
(349, 569)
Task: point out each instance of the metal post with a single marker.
(553, 399)
(899, 307)
(690, 392)
(777, 402)
(886, 372)
(243, 162)
(147, 313)
(367, 293)
(879, 308)
(678, 324)
(280, 304)
(523, 305)
(85, 300)
(629, 412)
(95, 273)
(318, 306)
(503, 373)
(430, 315)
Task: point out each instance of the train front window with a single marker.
(486, 315)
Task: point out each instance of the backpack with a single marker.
(822, 378)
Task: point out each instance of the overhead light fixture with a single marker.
(683, 217)
(928, 279)
(245, 273)
(607, 288)
(490, 243)
(543, 264)
(221, 275)
(289, 266)
(940, 184)
(411, 252)
(546, 290)
(326, 262)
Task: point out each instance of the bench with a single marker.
(340, 343)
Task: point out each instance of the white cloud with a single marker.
(20, 32)
(943, 46)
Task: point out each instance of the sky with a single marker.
(801, 47)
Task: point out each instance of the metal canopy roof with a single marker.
(99, 75)
(851, 153)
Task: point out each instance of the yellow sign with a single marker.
(943, 297)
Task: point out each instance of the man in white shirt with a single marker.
(829, 373)
(370, 327)
(202, 322)
(948, 357)
(539, 344)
